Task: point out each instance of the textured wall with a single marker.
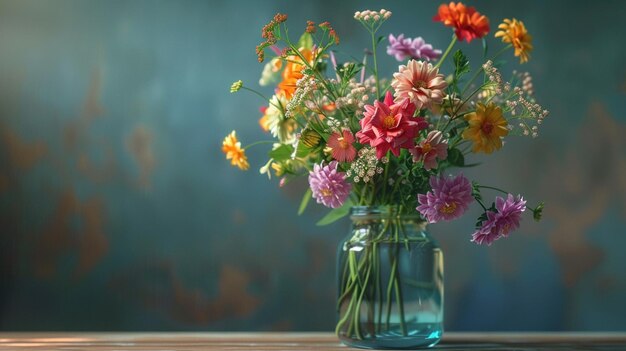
(118, 211)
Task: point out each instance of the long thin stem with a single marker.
(493, 188)
(445, 54)
(374, 44)
(259, 142)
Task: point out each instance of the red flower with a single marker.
(341, 144)
(467, 22)
(390, 126)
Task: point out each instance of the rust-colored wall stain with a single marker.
(158, 287)
(139, 144)
(22, 155)
(74, 227)
(589, 171)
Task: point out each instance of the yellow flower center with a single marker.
(448, 208)
(426, 147)
(326, 192)
(389, 122)
(343, 144)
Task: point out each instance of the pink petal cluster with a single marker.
(500, 224)
(341, 145)
(420, 82)
(329, 186)
(449, 199)
(390, 125)
(430, 149)
(402, 48)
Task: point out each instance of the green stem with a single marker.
(445, 54)
(373, 34)
(259, 142)
(493, 188)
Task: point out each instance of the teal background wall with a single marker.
(119, 212)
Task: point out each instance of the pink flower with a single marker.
(402, 48)
(390, 126)
(432, 148)
(329, 186)
(419, 82)
(341, 144)
(500, 224)
(449, 199)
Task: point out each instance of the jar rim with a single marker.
(382, 211)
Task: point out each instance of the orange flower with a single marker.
(486, 128)
(232, 148)
(293, 72)
(514, 32)
(467, 22)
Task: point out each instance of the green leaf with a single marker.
(281, 153)
(461, 64)
(380, 38)
(456, 158)
(306, 41)
(336, 214)
(305, 201)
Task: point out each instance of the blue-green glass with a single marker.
(390, 274)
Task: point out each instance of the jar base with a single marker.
(417, 339)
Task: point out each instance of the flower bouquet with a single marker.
(384, 149)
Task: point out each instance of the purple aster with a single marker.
(500, 224)
(403, 48)
(449, 199)
(329, 186)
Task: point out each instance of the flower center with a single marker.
(326, 192)
(487, 128)
(343, 143)
(448, 208)
(420, 84)
(426, 147)
(389, 122)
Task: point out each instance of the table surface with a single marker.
(297, 341)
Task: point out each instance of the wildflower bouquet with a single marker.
(366, 140)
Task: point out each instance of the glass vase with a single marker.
(390, 274)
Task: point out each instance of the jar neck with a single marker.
(372, 215)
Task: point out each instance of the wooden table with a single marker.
(297, 341)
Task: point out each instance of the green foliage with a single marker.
(456, 158)
(281, 153)
(305, 201)
(461, 67)
(336, 214)
(305, 41)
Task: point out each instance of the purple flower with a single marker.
(449, 199)
(403, 48)
(500, 224)
(329, 187)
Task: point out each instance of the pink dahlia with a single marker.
(500, 224)
(390, 126)
(419, 82)
(449, 199)
(341, 144)
(402, 48)
(329, 186)
(432, 148)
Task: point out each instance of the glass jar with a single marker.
(390, 274)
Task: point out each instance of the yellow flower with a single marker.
(514, 32)
(232, 148)
(486, 128)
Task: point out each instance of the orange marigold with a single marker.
(293, 72)
(468, 23)
(514, 32)
(234, 152)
